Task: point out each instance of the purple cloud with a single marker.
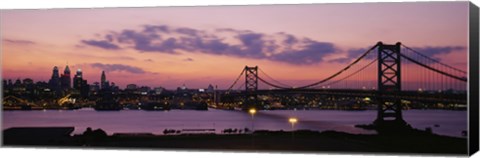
(105, 44)
(156, 28)
(187, 31)
(118, 67)
(311, 54)
(148, 41)
(279, 47)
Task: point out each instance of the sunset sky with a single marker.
(198, 46)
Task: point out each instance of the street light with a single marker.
(252, 112)
(292, 121)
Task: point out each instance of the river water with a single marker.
(450, 123)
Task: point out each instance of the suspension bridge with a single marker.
(389, 74)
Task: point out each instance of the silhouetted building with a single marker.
(95, 88)
(144, 90)
(27, 81)
(42, 90)
(18, 88)
(79, 73)
(106, 85)
(210, 89)
(10, 82)
(77, 80)
(29, 87)
(54, 82)
(5, 88)
(158, 90)
(131, 87)
(84, 89)
(114, 87)
(80, 85)
(103, 80)
(17, 83)
(182, 89)
(66, 80)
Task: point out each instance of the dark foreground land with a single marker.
(413, 141)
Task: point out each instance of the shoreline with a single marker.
(413, 141)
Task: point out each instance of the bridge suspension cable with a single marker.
(271, 78)
(433, 60)
(434, 69)
(236, 80)
(339, 72)
(271, 84)
(350, 75)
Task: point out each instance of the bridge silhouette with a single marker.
(389, 74)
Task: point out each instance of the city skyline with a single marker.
(79, 75)
(211, 45)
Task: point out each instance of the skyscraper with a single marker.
(80, 85)
(77, 80)
(103, 80)
(66, 80)
(104, 83)
(55, 81)
(79, 73)
(55, 74)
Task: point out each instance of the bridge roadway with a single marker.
(425, 96)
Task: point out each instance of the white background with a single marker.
(116, 153)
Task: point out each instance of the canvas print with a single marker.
(359, 77)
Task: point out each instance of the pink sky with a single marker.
(197, 46)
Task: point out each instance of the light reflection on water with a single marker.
(450, 123)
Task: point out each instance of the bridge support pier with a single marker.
(389, 114)
(251, 87)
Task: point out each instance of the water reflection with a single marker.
(135, 121)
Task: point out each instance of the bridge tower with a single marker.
(389, 86)
(251, 87)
